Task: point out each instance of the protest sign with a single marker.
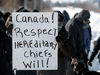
(34, 44)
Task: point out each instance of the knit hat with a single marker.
(35, 10)
(60, 14)
(22, 9)
(83, 14)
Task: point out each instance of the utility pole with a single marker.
(11, 6)
(41, 2)
(50, 4)
(25, 4)
(34, 4)
(99, 4)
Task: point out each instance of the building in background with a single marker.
(41, 5)
(11, 5)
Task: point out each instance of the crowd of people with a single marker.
(74, 38)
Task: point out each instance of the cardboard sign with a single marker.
(34, 44)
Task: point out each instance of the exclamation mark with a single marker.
(42, 64)
(37, 63)
(47, 61)
(52, 17)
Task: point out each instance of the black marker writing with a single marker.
(32, 19)
(33, 32)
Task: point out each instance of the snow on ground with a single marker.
(95, 26)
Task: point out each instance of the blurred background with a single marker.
(47, 5)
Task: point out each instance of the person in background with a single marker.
(65, 48)
(68, 60)
(75, 26)
(66, 17)
(5, 49)
(95, 51)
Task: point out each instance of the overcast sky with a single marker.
(72, 1)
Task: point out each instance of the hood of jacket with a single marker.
(82, 15)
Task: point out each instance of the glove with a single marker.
(60, 41)
(89, 63)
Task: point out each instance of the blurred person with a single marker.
(87, 40)
(75, 26)
(5, 49)
(95, 51)
(5, 16)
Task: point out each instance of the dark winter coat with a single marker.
(95, 50)
(5, 45)
(89, 29)
(5, 49)
(76, 28)
(25, 72)
(5, 41)
(90, 32)
(5, 53)
(66, 49)
(66, 17)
